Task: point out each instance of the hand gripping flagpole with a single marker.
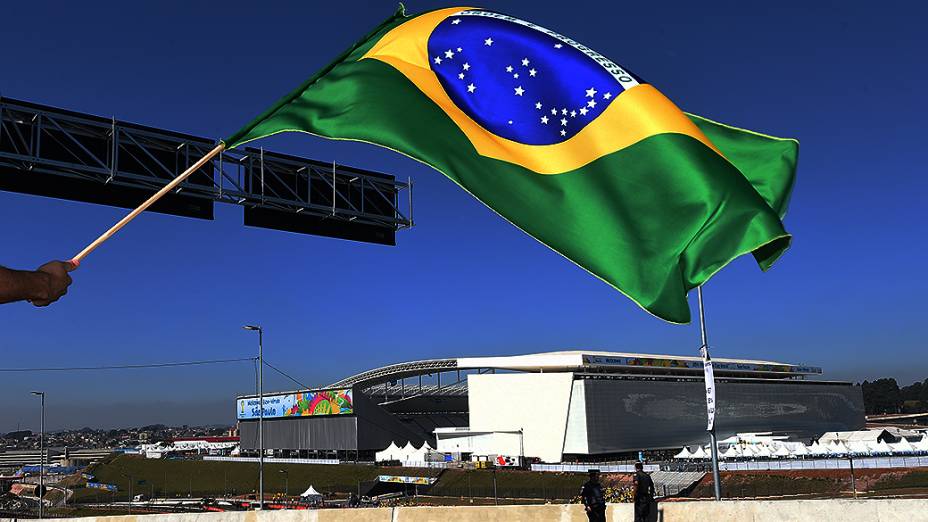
(76, 260)
(710, 396)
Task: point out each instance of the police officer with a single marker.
(593, 498)
(644, 493)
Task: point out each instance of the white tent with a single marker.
(684, 454)
(424, 452)
(392, 452)
(818, 450)
(903, 447)
(880, 448)
(700, 453)
(732, 453)
(782, 452)
(922, 445)
(837, 448)
(762, 451)
(858, 447)
(800, 450)
(409, 453)
(311, 494)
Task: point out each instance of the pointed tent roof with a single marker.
(311, 492)
(818, 449)
(902, 447)
(392, 452)
(700, 453)
(800, 450)
(858, 447)
(407, 452)
(761, 451)
(732, 452)
(684, 454)
(881, 448)
(922, 445)
(782, 451)
(838, 448)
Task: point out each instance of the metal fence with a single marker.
(273, 460)
(800, 464)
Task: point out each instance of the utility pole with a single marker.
(261, 413)
(41, 454)
(710, 396)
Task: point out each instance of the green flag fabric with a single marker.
(565, 144)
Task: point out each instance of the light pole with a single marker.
(41, 451)
(260, 331)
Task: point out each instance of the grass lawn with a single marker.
(178, 478)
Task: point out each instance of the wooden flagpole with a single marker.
(76, 260)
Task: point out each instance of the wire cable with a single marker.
(278, 370)
(126, 366)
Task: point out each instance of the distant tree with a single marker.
(882, 396)
(912, 392)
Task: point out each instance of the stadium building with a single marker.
(552, 406)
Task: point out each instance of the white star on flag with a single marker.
(438, 59)
(519, 90)
(583, 111)
(456, 21)
(460, 76)
(466, 66)
(591, 103)
(459, 49)
(488, 41)
(563, 122)
(554, 111)
(508, 68)
(563, 132)
(471, 88)
(538, 105)
(564, 111)
(544, 119)
(558, 46)
(525, 62)
(607, 95)
(531, 72)
(573, 114)
(516, 76)
(449, 54)
(591, 92)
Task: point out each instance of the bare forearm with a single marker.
(20, 285)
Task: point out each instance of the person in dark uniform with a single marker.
(594, 498)
(643, 493)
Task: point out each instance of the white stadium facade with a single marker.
(554, 407)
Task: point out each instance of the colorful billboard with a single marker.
(422, 481)
(99, 485)
(302, 404)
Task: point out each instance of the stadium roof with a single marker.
(577, 361)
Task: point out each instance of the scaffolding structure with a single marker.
(58, 153)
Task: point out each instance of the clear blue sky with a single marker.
(845, 79)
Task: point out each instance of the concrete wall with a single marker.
(534, 402)
(908, 510)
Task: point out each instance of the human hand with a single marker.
(56, 279)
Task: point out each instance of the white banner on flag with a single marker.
(710, 392)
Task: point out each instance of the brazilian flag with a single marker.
(569, 146)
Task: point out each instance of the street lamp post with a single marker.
(41, 452)
(261, 413)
